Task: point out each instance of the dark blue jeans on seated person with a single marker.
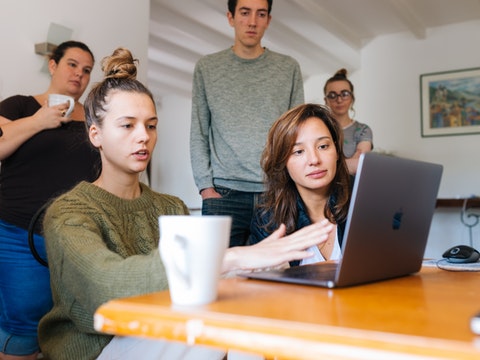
(25, 294)
(240, 205)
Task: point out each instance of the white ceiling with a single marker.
(323, 35)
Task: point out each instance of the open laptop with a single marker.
(388, 222)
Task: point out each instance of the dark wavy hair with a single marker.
(280, 196)
(59, 52)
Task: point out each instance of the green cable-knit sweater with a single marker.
(99, 247)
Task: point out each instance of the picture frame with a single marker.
(450, 103)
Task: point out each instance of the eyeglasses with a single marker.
(344, 95)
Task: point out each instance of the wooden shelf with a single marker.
(471, 202)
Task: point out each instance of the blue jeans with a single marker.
(25, 294)
(240, 205)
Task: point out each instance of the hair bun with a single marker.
(342, 73)
(120, 65)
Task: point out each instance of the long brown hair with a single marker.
(280, 196)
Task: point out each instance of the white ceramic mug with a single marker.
(57, 99)
(192, 250)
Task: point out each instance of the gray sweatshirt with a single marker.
(235, 101)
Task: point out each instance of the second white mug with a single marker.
(57, 99)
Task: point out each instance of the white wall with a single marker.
(102, 25)
(387, 89)
(391, 67)
(388, 99)
(171, 171)
(387, 92)
(390, 90)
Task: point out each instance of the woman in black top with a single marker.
(43, 153)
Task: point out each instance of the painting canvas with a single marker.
(450, 102)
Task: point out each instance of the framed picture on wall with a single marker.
(450, 102)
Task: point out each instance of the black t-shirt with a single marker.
(45, 166)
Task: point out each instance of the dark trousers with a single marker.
(240, 205)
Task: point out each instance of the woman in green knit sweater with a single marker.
(102, 237)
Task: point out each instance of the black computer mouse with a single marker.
(461, 254)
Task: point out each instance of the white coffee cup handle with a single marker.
(70, 107)
(180, 261)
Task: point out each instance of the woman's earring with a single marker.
(352, 110)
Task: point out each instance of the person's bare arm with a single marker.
(277, 249)
(4, 120)
(352, 162)
(15, 133)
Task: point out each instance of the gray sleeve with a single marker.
(200, 132)
(298, 95)
(363, 133)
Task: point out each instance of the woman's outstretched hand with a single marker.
(277, 249)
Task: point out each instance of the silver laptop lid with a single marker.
(390, 214)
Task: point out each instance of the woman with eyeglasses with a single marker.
(357, 137)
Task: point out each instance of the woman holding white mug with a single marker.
(43, 153)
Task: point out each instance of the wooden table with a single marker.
(424, 316)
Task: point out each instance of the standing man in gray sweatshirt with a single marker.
(237, 94)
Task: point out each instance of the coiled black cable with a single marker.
(31, 230)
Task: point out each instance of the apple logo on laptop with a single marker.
(397, 219)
